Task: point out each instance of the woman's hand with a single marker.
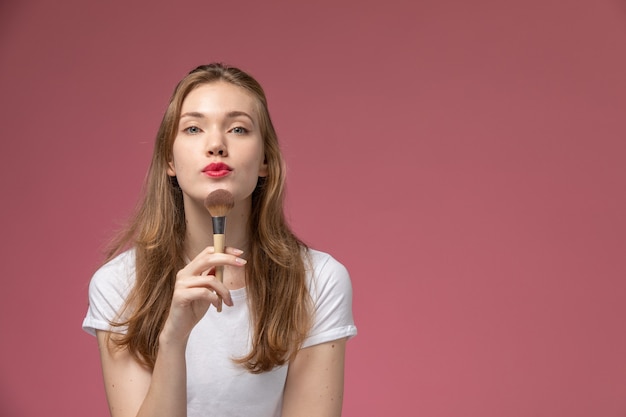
(196, 289)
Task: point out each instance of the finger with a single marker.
(198, 299)
(222, 292)
(188, 296)
(228, 249)
(209, 282)
(233, 251)
(205, 261)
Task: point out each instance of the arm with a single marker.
(314, 385)
(133, 390)
(136, 391)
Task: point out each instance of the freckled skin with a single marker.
(317, 363)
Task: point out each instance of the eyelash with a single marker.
(188, 130)
(242, 130)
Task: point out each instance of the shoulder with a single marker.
(115, 276)
(108, 289)
(327, 275)
(330, 289)
(322, 262)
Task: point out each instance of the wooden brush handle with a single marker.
(218, 244)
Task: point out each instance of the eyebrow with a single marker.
(193, 114)
(231, 115)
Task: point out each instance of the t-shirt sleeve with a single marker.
(108, 290)
(331, 290)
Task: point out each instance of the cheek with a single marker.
(260, 161)
(177, 162)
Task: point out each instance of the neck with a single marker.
(199, 232)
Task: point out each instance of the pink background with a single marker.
(464, 159)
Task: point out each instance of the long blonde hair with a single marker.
(279, 302)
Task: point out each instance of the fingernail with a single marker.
(237, 251)
(241, 261)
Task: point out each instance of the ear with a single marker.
(263, 169)
(170, 169)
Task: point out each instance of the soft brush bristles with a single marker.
(219, 203)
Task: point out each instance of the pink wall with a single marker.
(465, 160)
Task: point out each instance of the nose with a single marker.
(217, 151)
(216, 145)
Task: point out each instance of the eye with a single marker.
(192, 130)
(238, 130)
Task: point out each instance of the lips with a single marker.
(217, 169)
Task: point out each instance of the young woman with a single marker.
(277, 347)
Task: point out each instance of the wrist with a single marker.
(169, 339)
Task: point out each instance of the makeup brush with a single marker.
(219, 203)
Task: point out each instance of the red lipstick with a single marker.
(217, 170)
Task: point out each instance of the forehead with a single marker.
(219, 97)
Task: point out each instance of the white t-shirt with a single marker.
(216, 386)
